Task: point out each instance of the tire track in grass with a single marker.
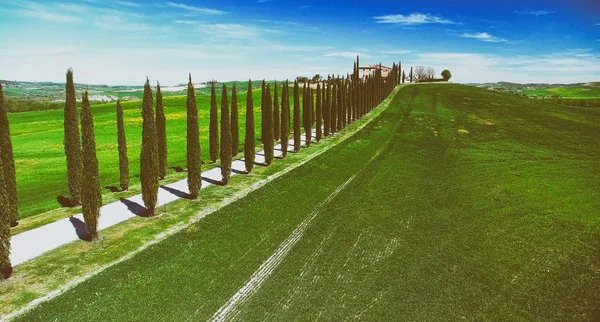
(230, 309)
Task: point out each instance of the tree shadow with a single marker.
(112, 189)
(66, 202)
(238, 171)
(178, 193)
(261, 164)
(136, 208)
(80, 229)
(212, 181)
(177, 169)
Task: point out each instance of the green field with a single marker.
(464, 204)
(39, 153)
(567, 92)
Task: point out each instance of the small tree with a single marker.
(235, 124)
(446, 75)
(149, 153)
(268, 141)
(214, 126)
(318, 113)
(72, 142)
(306, 114)
(225, 137)
(297, 137)
(249, 142)
(326, 108)
(91, 196)
(8, 162)
(285, 118)
(161, 134)
(420, 73)
(122, 146)
(276, 115)
(410, 76)
(193, 148)
(430, 73)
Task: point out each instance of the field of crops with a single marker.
(456, 203)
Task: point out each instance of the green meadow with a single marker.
(463, 203)
(39, 152)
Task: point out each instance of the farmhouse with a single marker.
(370, 70)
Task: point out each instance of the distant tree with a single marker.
(403, 77)
(91, 196)
(318, 114)
(302, 79)
(285, 118)
(333, 109)
(193, 148)
(446, 75)
(161, 134)
(410, 76)
(225, 137)
(249, 142)
(317, 78)
(297, 137)
(327, 109)
(122, 147)
(5, 266)
(8, 164)
(149, 152)
(214, 126)
(72, 142)
(276, 114)
(268, 141)
(306, 114)
(235, 124)
(420, 73)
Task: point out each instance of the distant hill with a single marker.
(590, 90)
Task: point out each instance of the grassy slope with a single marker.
(39, 152)
(482, 206)
(567, 92)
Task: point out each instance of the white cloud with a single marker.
(127, 3)
(187, 22)
(231, 30)
(483, 36)
(346, 54)
(536, 13)
(393, 52)
(200, 10)
(412, 19)
(48, 16)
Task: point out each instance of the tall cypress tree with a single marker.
(8, 164)
(149, 152)
(122, 146)
(296, 117)
(91, 196)
(235, 124)
(318, 116)
(306, 114)
(214, 126)
(340, 110)
(333, 109)
(72, 142)
(225, 137)
(285, 118)
(276, 115)
(263, 113)
(249, 142)
(268, 141)
(410, 75)
(193, 148)
(5, 266)
(327, 109)
(161, 134)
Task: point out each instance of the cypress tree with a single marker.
(193, 148)
(214, 126)
(91, 196)
(161, 134)
(333, 109)
(318, 113)
(235, 124)
(149, 151)
(403, 77)
(410, 75)
(327, 109)
(340, 109)
(249, 142)
(276, 115)
(225, 137)
(72, 142)
(8, 164)
(263, 115)
(5, 266)
(296, 117)
(306, 114)
(268, 141)
(285, 118)
(122, 144)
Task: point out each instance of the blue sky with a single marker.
(123, 41)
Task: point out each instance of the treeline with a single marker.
(328, 108)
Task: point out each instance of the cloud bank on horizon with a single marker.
(123, 41)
